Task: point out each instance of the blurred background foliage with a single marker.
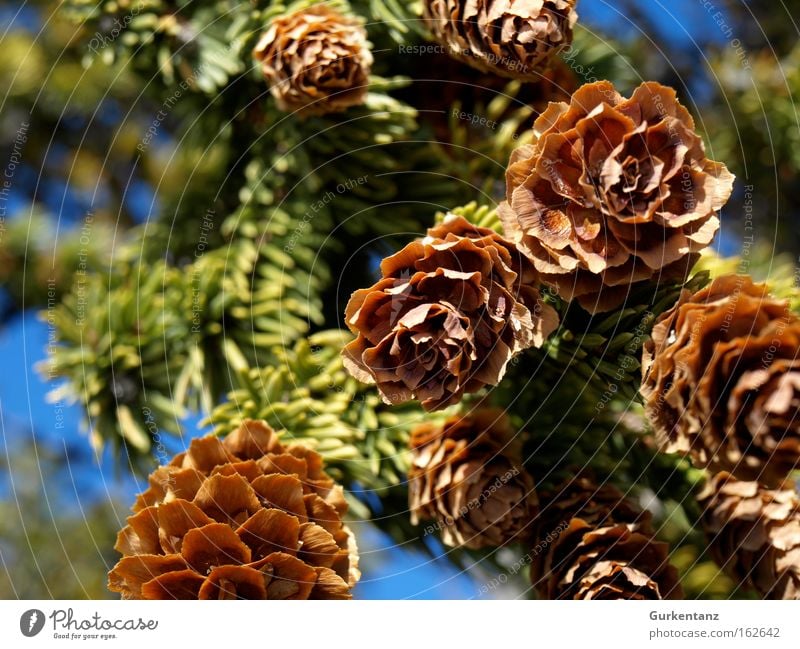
(54, 542)
(144, 265)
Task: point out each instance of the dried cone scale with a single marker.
(613, 192)
(238, 518)
(754, 533)
(467, 475)
(513, 38)
(600, 546)
(316, 61)
(722, 380)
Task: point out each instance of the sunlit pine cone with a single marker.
(593, 543)
(316, 60)
(447, 316)
(513, 38)
(467, 477)
(238, 518)
(722, 380)
(612, 193)
(754, 533)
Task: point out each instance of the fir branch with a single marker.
(308, 396)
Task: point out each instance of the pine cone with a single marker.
(467, 475)
(754, 533)
(722, 380)
(239, 518)
(515, 39)
(613, 192)
(447, 316)
(316, 61)
(595, 544)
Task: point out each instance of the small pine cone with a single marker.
(516, 38)
(596, 544)
(467, 475)
(448, 314)
(613, 192)
(722, 380)
(239, 518)
(316, 61)
(754, 533)
(612, 562)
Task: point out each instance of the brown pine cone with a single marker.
(447, 316)
(722, 380)
(612, 562)
(595, 544)
(754, 533)
(513, 38)
(239, 518)
(316, 61)
(467, 475)
(613, 192)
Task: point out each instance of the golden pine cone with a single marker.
(513, 38)
(754, 533)
(722, 380)
(613, 192)
(316, 61)
(239, 518)
(447, 316)
(593, 543)
(467, 475)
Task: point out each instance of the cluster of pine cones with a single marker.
(722, 385)
(317, 59)
(613, 193)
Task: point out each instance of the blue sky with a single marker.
(681, 21)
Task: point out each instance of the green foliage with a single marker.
(762, 144)
(118, 336)
(779, 271)
(605, 349)
(482, 216)
(594, 56)
(401, 21)
(187, 48)
(309, 396)
(477, 155)
(147, 341)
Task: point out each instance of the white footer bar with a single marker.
(367, 624)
